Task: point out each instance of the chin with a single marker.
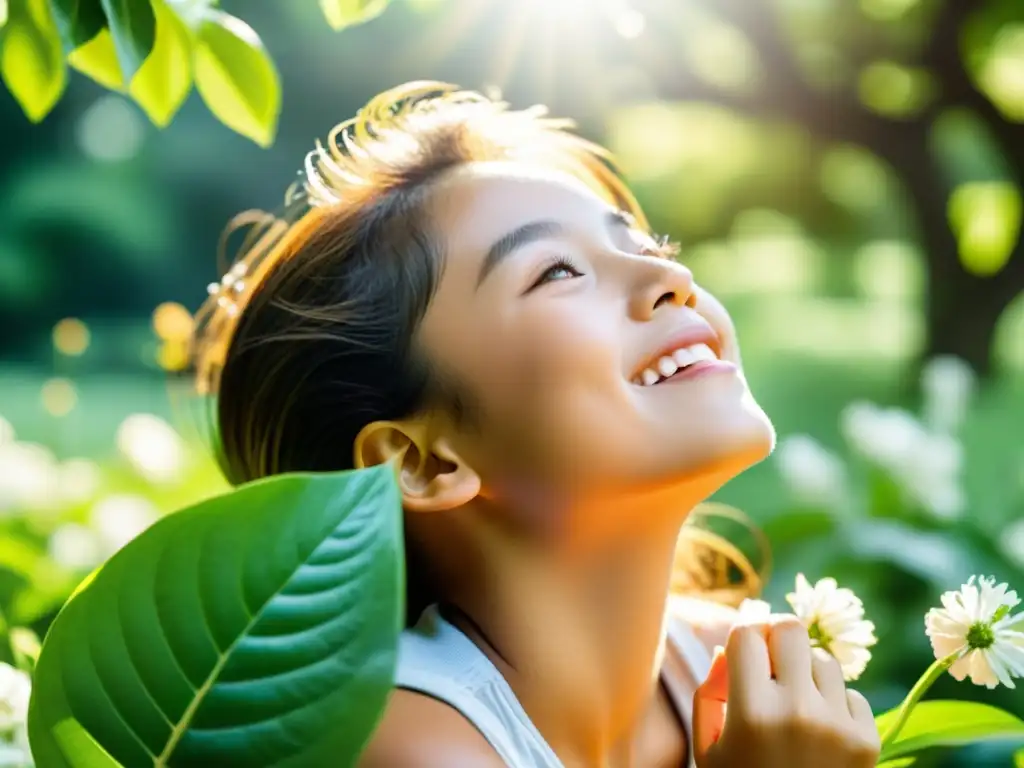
(754, 438)
(726, 449)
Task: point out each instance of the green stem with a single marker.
(933, 673)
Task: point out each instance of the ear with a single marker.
(431, 475)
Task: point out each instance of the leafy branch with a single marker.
(154, 51)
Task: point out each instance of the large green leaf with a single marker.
(163, 82)
(79, 21)
(80, 748)
(236, 77)
(949, 724)
(133, 26)
(32, 60)
(346, 13)
(256, 628)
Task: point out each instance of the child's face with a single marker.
(550, 331)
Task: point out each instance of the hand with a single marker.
(788, 706)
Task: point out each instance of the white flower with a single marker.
(17, 753)
(153, 447)
(834, 617)
(813, 473)
(976, 622)
(75, 546)
(120, 518)
(28, 478)
(886, 436)
(1013, 542)
(13, 756)
(79, 480)
(15, 689)
(926, 464)
(947, 383)
(6, 431)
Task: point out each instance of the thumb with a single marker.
(709, 707)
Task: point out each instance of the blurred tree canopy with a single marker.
(905, 80)
(930, 91)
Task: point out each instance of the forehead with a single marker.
(478, 203)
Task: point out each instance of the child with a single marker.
(472, 294)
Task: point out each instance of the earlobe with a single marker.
(431, 475)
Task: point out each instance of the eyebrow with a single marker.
(529, 233)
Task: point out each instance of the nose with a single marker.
(660, 282)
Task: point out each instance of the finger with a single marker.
(828, 677)
(860, 711)
(750, 667)
(709, 707)
(790, 649)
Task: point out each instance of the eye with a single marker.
(562, 269)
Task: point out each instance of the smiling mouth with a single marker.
(669, 365)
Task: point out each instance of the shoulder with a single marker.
(418, 731)
(708, 620)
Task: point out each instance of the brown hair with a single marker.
(309, 337)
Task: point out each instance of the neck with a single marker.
(578, 629)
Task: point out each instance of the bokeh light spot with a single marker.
(172, 322)
(71, 337)
(59, 397)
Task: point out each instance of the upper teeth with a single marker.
(669, 364)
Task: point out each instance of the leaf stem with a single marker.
(933, 673)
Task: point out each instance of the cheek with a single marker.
(549, 383)
(711, 309)
(544, 354)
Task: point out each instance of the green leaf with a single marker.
(346, 13)
(32, 60)
(256, 628)
(163, 82)
(900, 762)
(3, 13)
(236, 77)
(948, 724)
(81, 749)
(133, 26)
(79, 21)
(1018, 759)
(97, 59)
(25, 648)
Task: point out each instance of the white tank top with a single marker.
(435, 658)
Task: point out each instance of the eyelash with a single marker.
(660, 247)
(561, 262)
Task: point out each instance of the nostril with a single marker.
(665, 297)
